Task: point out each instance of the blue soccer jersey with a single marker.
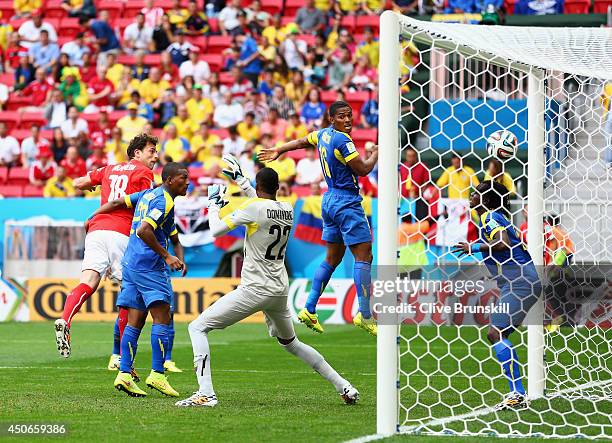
(510, 262)
(336, 149)
(155, 207)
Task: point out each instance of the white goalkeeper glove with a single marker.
(233, 171)
(216, 195)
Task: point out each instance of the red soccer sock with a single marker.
(75, 300)
(123, 320)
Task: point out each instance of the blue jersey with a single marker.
(509, 263)
(155, 207)
(336, 149)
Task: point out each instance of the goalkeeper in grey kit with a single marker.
(263, 285)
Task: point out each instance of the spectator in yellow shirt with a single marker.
(153, 87)
(116, 149)
(284, 167)
(131, 125)
(114, 70)
(174, 148)
(346, 7)
(202, 143)
(373, 7)
(459, 179)
(199, 108)
(184, 125)
(297, 90)
(495, 171)
(177, 15)
(24, 8)
(323, 5)
(214, 164)
(59, 186)
(247, 129)
(369, 47)
(296, 129)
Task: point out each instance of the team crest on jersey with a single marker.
(148, 197)
(155, 214)
(350, 146)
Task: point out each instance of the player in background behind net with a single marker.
(108, 234)
(507, 259)
(264, 283)
(344, 220)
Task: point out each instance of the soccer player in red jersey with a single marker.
(108, 234)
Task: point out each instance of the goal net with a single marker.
(444, 89)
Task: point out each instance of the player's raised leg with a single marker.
(308, 315)
(90, 279)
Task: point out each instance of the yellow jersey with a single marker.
(198, 142)
(56, 189)
(459, 182)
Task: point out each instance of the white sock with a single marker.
(201, 358)
(315, 360)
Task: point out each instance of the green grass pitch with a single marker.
(265, 393)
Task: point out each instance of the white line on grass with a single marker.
(473, 414)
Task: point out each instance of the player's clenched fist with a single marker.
(175, 264)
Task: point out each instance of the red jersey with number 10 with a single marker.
(118, 181)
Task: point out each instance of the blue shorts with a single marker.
(139, 290)
(344, 220)
(517, 297)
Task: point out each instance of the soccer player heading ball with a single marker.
(146, 283)
(506, 257)
(264, 284)
(344, 220)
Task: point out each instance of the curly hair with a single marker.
(139, 143)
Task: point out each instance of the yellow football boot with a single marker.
(367, 324)
(124, 382)
(310, 320)
(159, 382)
(170, 366)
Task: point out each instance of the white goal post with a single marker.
(535, 53)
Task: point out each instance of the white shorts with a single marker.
(104, 251)
(239, 304)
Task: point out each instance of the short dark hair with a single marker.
(84, 19)
(250, 114)
(336, 106)
(493, 195)
(45, 31)
(171, 169)
(139, 143)
(267, 180)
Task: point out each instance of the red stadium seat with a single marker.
(11, 118)
(120, 24)
(226, 78)
(272, 6)
(291, 7)
(195, 172)
(47, 134)
(217, 43)
(132, 8)
(215, 61)
(62, 40)
(20, 134)
(286, 19)
(70, 27)
(30, 118)
(113, 7)
(576, 6)
(357, 99)
(125, 59)
(308, 38)
(3, 174)
(11, 191)
(601, 6)
(32, 191)
(152, 59)
(301, 191)
(114, 116)
(55, 22)
(348, 22)
(361, 136)
(214, 25)
(19, 176)
(365, 21)
(92, 120)
(328, 97)
(201, 42)
(222, 133)
(7, 79)
(53, 9)
(6, 7)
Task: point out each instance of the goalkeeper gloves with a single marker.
(233, 170)
(216, 195)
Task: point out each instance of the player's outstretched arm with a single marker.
(270, 154)
(179, 251)
(499, 242)
(240, 217)
(146, 233)
(83, 183)
(363, 167)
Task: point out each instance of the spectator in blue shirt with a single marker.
(314, 109)
(103, 33)
(267, 83)
(369, 111)
(249, 59)
(461, 6)
(145, 110)
(24, 74)
(538, 7)
(44, 54)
